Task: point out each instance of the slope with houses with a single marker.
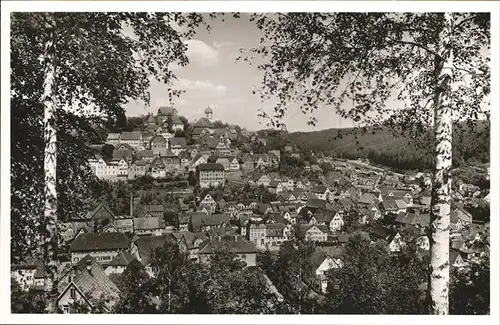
(322, 208)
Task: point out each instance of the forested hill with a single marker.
(381, 146)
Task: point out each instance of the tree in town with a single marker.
(26, 302)
(434, 64)
(371, 282)
(470, 289)
(70, 73)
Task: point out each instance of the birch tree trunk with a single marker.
(50, 160)
(441, 186)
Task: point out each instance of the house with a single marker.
(159, 145)
(413, 219)
(137, 169)
(207, 202)
(247, 162)
(397, 194)
(103, 247)
(133, 139)
(158, 169)
(99, 217)
(164, 112)
(86, 284)
(257, 234)
(234, 163)
(25, 273)
(211, 175)
(185, 159)
(336, 222)
(124, 224)
(184, 221)
(322, 261)
(275, 235)
(425, 198)
(393, 238)
(367, 199)
(113, 139)
(177, 144)
(197, 160)
(119, 263)
(154, 210)
(163, 130)
(321, 192)
(190, 242)
(171, 161)
(177, 124)
(149, 225)
(204, 222)
(224, 161)
(244, 250)
(317, 233)
(125, 154)
(459, 217)
(143, 249)
(456, 259)
(390, 206)
(264, 180)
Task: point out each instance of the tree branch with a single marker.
(414, 44)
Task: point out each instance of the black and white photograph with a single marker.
(299, 160)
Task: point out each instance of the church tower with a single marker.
(209, 113)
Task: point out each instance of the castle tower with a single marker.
(209, 113)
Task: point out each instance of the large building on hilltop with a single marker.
(164, 112)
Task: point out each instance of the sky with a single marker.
(213, 77)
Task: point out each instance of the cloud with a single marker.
(200, 85)
(201, 53)
(218, 45)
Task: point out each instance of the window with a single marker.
(65, 309)
(72, 293)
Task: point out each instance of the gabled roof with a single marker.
(367, 198)
(316, 203)
(145, 154)
(389, 205)
(148, 223)
(203, 123)
(92, 213)
(202, 219)
(134, 135)
(319, 189)
(113, 136)
(147, 244)
(383, 233)
(213, 166)
(103, 241)
(93, 284)
(122, 259)
(167, 110)
(178, 141)
(158, 139)
(234, 244)
(143, 208)
(413, 219)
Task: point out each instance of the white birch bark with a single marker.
(441, 186)
(50, 161)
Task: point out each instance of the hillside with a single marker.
(383, 147)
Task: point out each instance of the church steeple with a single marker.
(209, 113)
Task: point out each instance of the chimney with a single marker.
(131, 204)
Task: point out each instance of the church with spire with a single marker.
(204, 125)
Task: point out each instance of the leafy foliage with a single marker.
(103, 60)
(470, 289)
(372, 282)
